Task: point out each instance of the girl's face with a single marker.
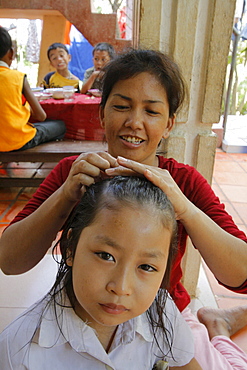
(136, 117)
(118, 266)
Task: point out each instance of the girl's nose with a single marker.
(120, 284)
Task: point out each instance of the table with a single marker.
(81, 116)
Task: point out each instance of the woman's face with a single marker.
(136, 117)
(119, 264)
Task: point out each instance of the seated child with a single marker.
(59, 58)
(105, 309)
(102, 54)
(17, 104)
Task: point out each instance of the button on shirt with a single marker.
(69, 343)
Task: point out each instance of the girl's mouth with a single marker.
(113, 308)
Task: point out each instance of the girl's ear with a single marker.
(169, 127)
(102, 117)
(69, 257)
(69, 233)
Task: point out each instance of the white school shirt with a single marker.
(78, 347)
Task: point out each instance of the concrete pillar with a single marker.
(197, 34)
(53, 31)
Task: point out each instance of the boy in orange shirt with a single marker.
(17, 104)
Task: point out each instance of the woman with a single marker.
(142, 92)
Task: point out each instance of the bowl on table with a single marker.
(58, 93)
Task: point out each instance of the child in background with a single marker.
(105, 309)
(102, 54)
(59, 58)
(17, 133)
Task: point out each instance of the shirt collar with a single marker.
(3, 64)
(75, 331)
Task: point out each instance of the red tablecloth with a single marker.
(81, 116)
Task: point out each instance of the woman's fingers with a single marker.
(85, 170)
(101, 160)
(161, 178)
(132, 165)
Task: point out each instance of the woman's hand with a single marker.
(84, 171)
(158, 177)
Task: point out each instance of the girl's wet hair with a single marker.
(136, 61)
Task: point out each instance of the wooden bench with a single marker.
(48, 152)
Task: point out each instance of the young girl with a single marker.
(105, 310)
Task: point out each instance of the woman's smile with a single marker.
(132, 139)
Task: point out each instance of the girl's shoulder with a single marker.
(17, 336)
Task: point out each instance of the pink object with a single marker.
(219, 353)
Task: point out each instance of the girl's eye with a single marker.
(147, 268)
(105, 256)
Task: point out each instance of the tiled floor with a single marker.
(19, 292)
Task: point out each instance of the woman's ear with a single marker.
(169, 127)
(102, 117)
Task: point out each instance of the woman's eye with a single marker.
(120, 107)
(105, 256)
(147, 268)
(152, 112)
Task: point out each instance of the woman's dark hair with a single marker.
(136, 61)
(112, 194)
(5, 41)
